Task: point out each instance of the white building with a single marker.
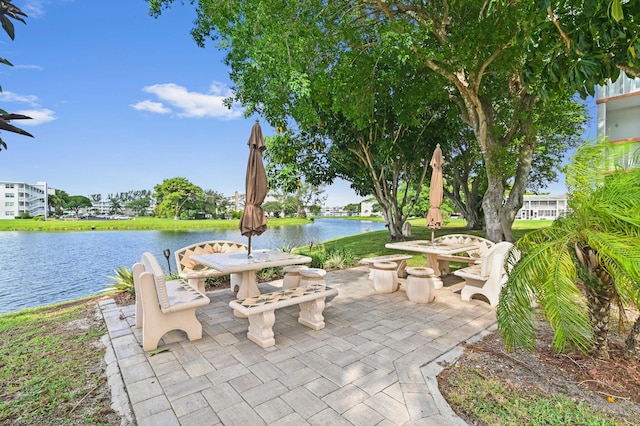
(17, 198)
(618, 119)
(366, 207)
(543, 207)
(334, 211)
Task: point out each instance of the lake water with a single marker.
(42, 268)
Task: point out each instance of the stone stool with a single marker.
(420, 285)
(385, 277)
(312, 276)
(292, 276)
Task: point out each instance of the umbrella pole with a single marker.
(249, 250)
(433, 232)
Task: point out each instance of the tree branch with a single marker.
(565, 37)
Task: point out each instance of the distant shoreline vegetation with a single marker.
(147, 223)
(134, 224)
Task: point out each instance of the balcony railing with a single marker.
(622, 86)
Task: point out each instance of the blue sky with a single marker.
(121, 101)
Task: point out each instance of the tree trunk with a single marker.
(393, 223)
(599, 310)
(600, 290)
(632, 344)
(492, 204)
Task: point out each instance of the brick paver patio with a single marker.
(375, 362)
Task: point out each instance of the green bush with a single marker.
(332, 258)
(122, 281)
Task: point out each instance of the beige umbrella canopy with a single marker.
(253, 221)
(434, 216)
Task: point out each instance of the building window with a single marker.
(8, 213)
(8, 204)
(10, 195)
(8, 185)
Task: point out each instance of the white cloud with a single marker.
(29, 67)
(151, 106)
(14, 97)
(33, 8)
(38, 116)
(192, 104)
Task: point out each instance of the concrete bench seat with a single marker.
(471, 257)
(162, 306)
(260, 310)
(196, 273)
(488, 277)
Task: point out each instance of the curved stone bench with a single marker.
(196, 273)
(488, 277)
(471, 257)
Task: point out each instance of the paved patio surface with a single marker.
(375, 362)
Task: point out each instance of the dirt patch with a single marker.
(609, 385)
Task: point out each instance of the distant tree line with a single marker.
(180, 199)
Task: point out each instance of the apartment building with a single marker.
(618, 114)
(17, 198)
(543, 207)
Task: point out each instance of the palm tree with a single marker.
(576, 268)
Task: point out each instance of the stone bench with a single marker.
(260, 310)
(196, 273)
(399, 259)
(471, 257)
(162, 306)
(488, 277)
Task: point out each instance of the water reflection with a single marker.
(44, 268)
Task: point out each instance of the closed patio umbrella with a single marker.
(253, 221)
(434, 216)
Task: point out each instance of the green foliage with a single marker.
(593, 40)
(573, 267)
(270, 274)
(328, 258)
(364, 91)
(490, 401)
(77, 202)
(274, 208)
(175, 196)
(122, 281)
(44, 371)
(139, 206)
(9, 10)
(215, 204)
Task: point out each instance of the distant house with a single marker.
(17, 198)
(543, 207)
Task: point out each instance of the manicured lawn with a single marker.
(373, 243)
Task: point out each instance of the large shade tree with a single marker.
(592, 39)
(174, 196)
(310, 61)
